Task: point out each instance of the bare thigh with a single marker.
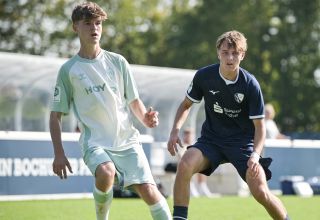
(193, 161)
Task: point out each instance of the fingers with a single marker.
(64, 172)
(69, 167)
(173, 145)
(254, 169)
(152, 117)
(58, 172)
(151, 112)
(61, 169)
(171, 148)
(180, 143)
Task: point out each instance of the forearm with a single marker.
(259, 137)
(181, 116)
(258, 143)
(55, 132)
(139, 110)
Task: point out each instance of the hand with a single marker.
(59, 166)
(151, 118)
(253, 167)
(172, 143)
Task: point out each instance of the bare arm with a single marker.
(147, 118)
(181, 116)
(258, 143)
(60, 161)
(259, 135)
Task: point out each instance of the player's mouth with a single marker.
(95, 35)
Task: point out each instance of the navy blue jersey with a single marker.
(229, 106)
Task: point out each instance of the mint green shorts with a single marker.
(132, 166)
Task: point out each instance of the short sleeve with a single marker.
(62, 93)
(130, 88)
(256, 102)
(194, 92)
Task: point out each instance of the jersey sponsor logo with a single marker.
(239, 97)
(95, 88)
(57, 94)
(214, 92)
(232, 113)
(217, 108)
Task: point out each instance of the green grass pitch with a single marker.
(224, 208)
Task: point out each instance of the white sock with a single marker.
(160, 210)
(102, 203)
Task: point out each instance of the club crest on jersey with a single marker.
(82, 76)
(239, 97)
(57, 94)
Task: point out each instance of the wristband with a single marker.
(255, 155)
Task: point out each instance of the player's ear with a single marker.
(243, 54)
(75, 27)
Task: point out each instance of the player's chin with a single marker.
(153, 125)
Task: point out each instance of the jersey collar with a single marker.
(228, 82)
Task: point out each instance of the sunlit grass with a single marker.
(224, 208)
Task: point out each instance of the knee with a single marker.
(105, 173)
(148, 192)
(185, 168)
(148, 189)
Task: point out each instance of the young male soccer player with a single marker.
(233, 131)
(99, 86)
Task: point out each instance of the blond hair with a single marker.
(235, 39)
(88, 11)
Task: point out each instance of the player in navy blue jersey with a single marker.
(234, 129)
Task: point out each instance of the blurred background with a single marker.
(166, 41)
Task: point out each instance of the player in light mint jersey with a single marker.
(99, 91)
(99, 87)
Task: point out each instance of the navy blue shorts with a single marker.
(237, 156)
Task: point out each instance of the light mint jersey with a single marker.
(99, 91)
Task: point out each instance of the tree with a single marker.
(133, 29)
(34, 26)
(294, 46)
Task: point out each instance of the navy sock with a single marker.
(180, 213)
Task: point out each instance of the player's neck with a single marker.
(89, 52)
(229, 75)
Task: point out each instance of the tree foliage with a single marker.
(283, 38)
(295, 50)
